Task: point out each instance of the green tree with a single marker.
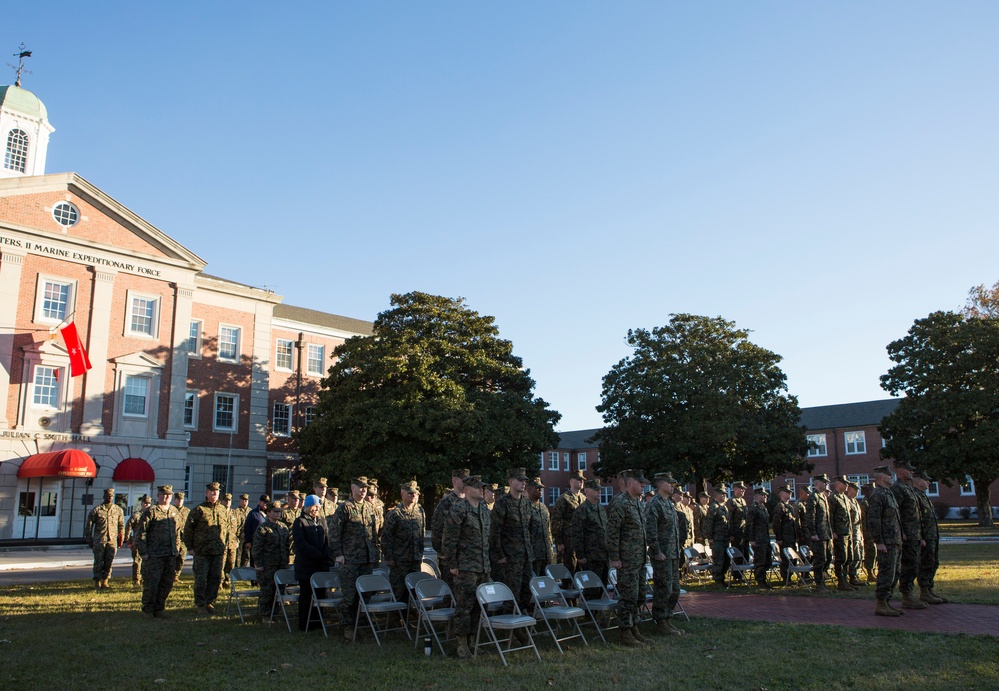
(434, 388)
(697, 398)
(948, 422)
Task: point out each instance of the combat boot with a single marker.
(464, 653)
(927, 596)
(665, 628)
(844, 586)
(97, 584)
(628, 639)
(856, 583)
(523, 638)
(934, 594)
(638, 635)
(910, 603)
(885, 610)
(106, 583)
(820, 587)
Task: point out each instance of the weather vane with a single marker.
(21, 55)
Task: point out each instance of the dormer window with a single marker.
(16, 157)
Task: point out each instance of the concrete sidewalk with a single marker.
(55, 557)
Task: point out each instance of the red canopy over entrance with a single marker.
(65, 463)
(134, 470)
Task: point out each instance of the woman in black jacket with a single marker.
(312, 554)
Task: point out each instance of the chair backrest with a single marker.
(325, 580)
(416, 577)
(373, 583)
(490, 593)
(380, 571)
(805, 552)
(284, 577)
(735, 554)
(588, 579)
(612, 577)
(698, 547)
(559, 572)
(793, 557)
(692, 554)
(430, 567)
(243, 573)
(545, 588)
(431, 588)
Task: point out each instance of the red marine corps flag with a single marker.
(78, 360)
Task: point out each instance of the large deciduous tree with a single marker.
(698, 398)
(948, 422)
(433, 388)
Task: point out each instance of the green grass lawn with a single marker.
(64, 635)
(969, 528)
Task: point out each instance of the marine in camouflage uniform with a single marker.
(870, 554)
(465, 539)
(242, 553)
(627, 546)
(289, 513)
(716, 529)
(819, 530)
(589, 534)
(182, 513)
(841, 525)
(700, 515)
(440, 516)
(758, 532)
(489, 495)
(402, 538)
(662, 533)
(800, 508)
(511, 553)
(908, 513)
(105, 533)
(929, 555)
(857, 535)
(327, 504)
(886, 534)
(130, 529)
(354, 543)
(737, 508)
(561, 519)
(270, 553)
(379, 506)
(541, 531)
(232, 546)
(157, 540)
(206, 534)
(785, 526)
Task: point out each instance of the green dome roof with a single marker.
(23, 101)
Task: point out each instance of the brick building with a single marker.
(194, 378)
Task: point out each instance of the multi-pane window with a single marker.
(967, 487)
(565, 461)
(285, 353)
(193, 345)
(136, 395)
(314, 364)
(861, 480)
(65, 214)
(220, 474)
(187, 480)
(581, 461)
(553, 460)
(855, 442)
(553, 494)
(282, 420)
(310, 415)
(191, 409)
(280, 482)
(46, 386)
(56, 297)
(228, 342)
(142, 315)
(933, 490)
(225, 411)
(816, 444)
(16, 156)
(789, 481)
(606, 494)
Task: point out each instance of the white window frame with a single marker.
(309, 359)
(280, 490)
(861, 479)
(310, 414)
(45, 279)
(291, 355)
(553, 494)
(858, 442)
(16, 150)
(553, 460)
(194, 352)
(238, 331)
(565, 461)
(820, 442)
(289, 410)
(154, 326)
(126, 379)
(933, 490)
(606, 494)
(191, 396)
(581, 461)
(968, 487)
(59, 375)
(235, 412)
(790, 482)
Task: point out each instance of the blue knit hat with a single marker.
(311, 500)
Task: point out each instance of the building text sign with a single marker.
(72, 255)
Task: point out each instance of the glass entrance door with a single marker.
(37, 508)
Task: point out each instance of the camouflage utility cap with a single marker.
(517, 474)
(473, 481)
(592, 484)
(664, 477)
(360, 481)
(410, 487)
(165, 489)
(213, 486)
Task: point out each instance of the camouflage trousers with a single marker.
(857, 556)
(821, 556)
(870, 555)
(842, 549)
(229, 562)
(719, 560)
(517, 576)
(761, 562)
(397, 577)
(207, 578)
(929, 562)
(137, 574)
(888, 567)
(178, 565)
(265, 581)
(157, 582)
(909, 566)
(630, 587)
(665, 589)
(466, 606)
(103, 559)
(242, 554)
(567, 558)
(348, 583)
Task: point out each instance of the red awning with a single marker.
(66, 463)
(134, 470)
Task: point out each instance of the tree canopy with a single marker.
(432, 389)
(948, 422)
(697, 398)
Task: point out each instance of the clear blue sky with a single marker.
(820, 173)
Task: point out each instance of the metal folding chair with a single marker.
(697, 564)
(375, 597)
(285, 593)
(563, 577)
(241, 574)
(797, 565)
(737, 562)
(330, 582)
(430, 566)
(499, 594)
(411, 580)
(550, 605)
(434, 605)
(602, 605)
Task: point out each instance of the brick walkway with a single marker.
(947, 618)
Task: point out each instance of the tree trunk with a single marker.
(983, 496)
